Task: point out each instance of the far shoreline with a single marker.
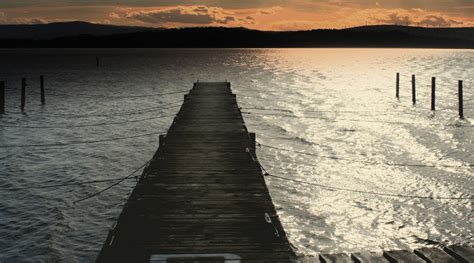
(76, 36)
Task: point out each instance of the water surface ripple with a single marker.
(329, 114)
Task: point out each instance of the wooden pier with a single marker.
(203, 196)
(448, 254)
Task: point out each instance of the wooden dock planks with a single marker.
(453, 253)
(203, 196)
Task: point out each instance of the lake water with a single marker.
(330, 115)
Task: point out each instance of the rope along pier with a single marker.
(203, 196)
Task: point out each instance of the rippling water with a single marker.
(330, 115)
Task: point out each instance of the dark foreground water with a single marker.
(335, 105)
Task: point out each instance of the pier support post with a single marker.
(397, 89)
(252, 143)
(97, 61)
(43, 101)
(433, 93)
(413, 89)
(23, 93)
(460, 99)
(2, 97)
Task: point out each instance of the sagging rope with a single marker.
(353, 120)
(79, 142)
(86, 125)
(330, 111)
(124, 113)
(121, 97)
(61, 185)
(366, 162)
(335, 188)
(114, 184)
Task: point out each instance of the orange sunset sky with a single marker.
(256, 14)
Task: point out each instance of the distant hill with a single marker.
(448, 32)
(63, 29)
(206, 37)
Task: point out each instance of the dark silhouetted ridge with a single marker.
(63, 29)
(211, 37)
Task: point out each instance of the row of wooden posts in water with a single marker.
(397, 93)
(433, 93)
(23, 91)
(23, 94)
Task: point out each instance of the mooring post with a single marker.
(413, 89)
(397, 90)
(252, 143)
(460, 98)
(42, 89)
(23, 93)
(433, 93)
(2, 97)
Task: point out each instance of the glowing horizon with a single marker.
(279, 15)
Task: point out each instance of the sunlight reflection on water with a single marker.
(336, 102)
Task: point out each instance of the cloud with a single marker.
(114, 15)
(396, 19)
(418, 10)
(102, 22)
(269, 11)
(292, 25)
(200, 15)
(257, 14)
(427, 21)
(21, 20)
(27, 20)
(438, 21)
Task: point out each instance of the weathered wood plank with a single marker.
(202, 193)
(402, 256)
(368, 258)
(434, 255)
(308, 259)
(463, 254)
(335, 258)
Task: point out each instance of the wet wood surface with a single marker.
(203, 196)
(452, 253)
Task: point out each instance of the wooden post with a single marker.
(433, 93)
(413, 89)
(397, 91)
(252, 143)
(42, 89)
(23, 93)
(460, 98)
(2, 97)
